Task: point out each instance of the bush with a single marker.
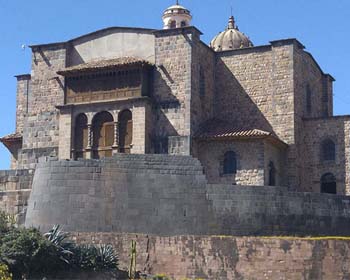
(28, 253)
(4, 272)
(97, 258)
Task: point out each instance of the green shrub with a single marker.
(97, 258)
(4, 272)
(28, 253)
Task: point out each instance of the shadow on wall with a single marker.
(233, 103)
(167, 106)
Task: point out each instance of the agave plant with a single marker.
(60, 240)
(106, 256)
(101, 257)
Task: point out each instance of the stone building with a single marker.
(252, 115)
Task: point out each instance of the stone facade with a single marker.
(253, 116)
(278, 89)
(15, 188)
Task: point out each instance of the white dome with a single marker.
(230, 39)
(176, 16)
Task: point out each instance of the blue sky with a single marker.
(321, 25)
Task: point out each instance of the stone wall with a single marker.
(15, 187)
(316, 131)
(249, 156)
(173, 81)
(41, 127)
(203, 84)
(255, 89)
(22, 100)
(225, 257)
(167, 195)
(277, 155)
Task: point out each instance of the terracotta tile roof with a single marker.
(215, 129)
(103, 64)
(11, 137)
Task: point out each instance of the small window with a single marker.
(328, 150)
(328, 183)
(272, 174)
(230, 163)
(183, 23)
(172, 24)
(308, 100)
(201, 81)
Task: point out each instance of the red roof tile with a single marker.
(220, 129)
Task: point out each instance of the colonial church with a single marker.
(252, 115)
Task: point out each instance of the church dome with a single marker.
(230, 39)
(176, 16)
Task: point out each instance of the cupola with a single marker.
(230, 39)
(176, 16)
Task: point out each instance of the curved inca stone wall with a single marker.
(129, 193)
(169, 195)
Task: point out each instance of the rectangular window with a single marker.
(308, 100)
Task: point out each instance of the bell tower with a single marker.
(176, 16)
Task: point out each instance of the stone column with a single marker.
(89, 144)
(116, 138)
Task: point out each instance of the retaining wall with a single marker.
(223, 257)
(169, 195)
(15, 187)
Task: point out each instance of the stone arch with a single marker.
(80, 136)
(328, 149)
(103, 134)
(125, 129)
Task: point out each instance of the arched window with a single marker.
(172, 24)
(272, 174)
(230, 163)
(80, 136)
(183, 23)
(103, 135)
(328, 150)
(125, 131)
(328, 183)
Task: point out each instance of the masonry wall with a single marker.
(250, 161)
(308, 76)
(173, 82)
(316, 131)
(203, 84)
(224, 257)
(255, 90)
(22, 100)
(41, 128)
(15, 187)
(277, 155)
(168, 195)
